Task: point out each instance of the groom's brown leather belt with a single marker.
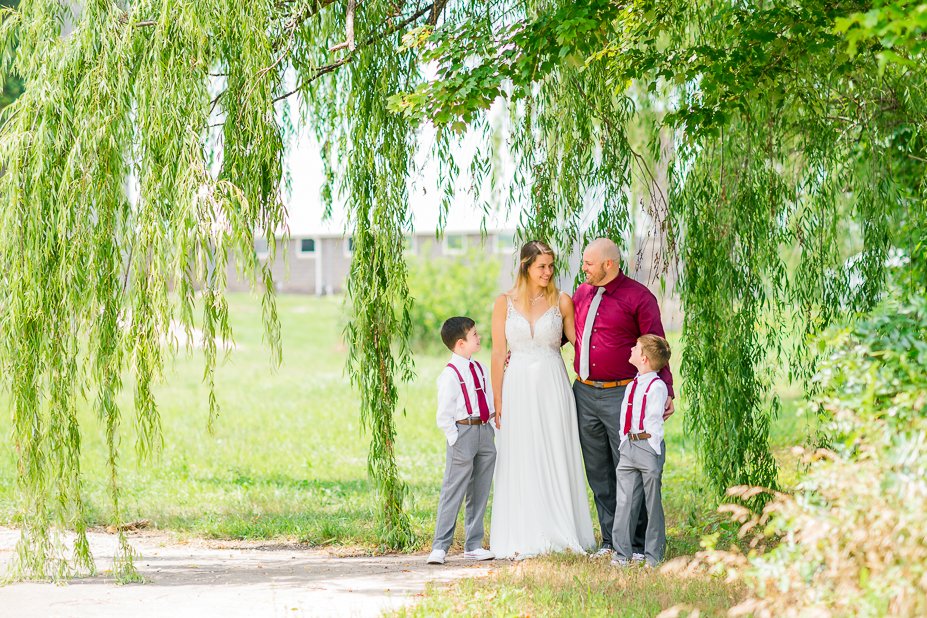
(470, 421)
(598, 384)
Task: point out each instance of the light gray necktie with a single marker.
(587, 333)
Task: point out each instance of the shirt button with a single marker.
(593, 347)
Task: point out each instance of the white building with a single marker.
(318, 261)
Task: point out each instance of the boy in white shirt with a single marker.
(642, 454)
(465, 406)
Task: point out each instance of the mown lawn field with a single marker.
(287, 458)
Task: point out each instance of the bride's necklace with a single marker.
(536, 298)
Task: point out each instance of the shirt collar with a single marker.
(459, 360)
(649, 374)
(615, 283)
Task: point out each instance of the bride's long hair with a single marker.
(529, 254)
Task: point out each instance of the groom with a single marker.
(612, 311)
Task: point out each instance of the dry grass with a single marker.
(851, 541)
(571, 585)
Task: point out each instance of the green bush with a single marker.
(852, 540)
(448, 286)
(872, 382)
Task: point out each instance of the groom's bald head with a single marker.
(601, 261)
(605, 249)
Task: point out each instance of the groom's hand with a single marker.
(669, 409)
(498, 417)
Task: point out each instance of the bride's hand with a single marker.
(498, 417)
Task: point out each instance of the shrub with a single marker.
(852, 540)
(448, 286)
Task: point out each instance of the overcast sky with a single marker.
(304, 205)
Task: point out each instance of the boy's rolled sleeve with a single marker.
(448, 392)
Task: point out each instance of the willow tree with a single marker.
(797, 163)
(147, 149)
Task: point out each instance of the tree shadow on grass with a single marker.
(340, 487)
(312, 511)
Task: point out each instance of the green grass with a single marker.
(287, 460)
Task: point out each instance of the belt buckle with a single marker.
(598, 384)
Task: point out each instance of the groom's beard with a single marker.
(593, 278)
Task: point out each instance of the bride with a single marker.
(540, 502)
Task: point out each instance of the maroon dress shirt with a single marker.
(627, 311)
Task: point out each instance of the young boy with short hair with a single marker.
(465, 407)
(642, 454)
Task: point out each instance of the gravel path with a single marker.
(229, 579)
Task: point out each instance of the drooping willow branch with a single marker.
(371, 40)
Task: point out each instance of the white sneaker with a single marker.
(618, 561)
(437, 556)
(479, 554)
(636, 557)
(602, 552)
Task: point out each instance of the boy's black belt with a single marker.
(471, 421)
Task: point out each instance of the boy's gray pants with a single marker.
(467, 471)
(640, 479)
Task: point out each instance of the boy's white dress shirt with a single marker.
(451, 404)
(653, 418)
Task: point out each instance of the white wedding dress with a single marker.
(539, 502)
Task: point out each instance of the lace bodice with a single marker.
(548, 330)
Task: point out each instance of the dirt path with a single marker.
(229, 579)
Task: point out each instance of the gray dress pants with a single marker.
(599, 418)
(468, 473)
(640, 481)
